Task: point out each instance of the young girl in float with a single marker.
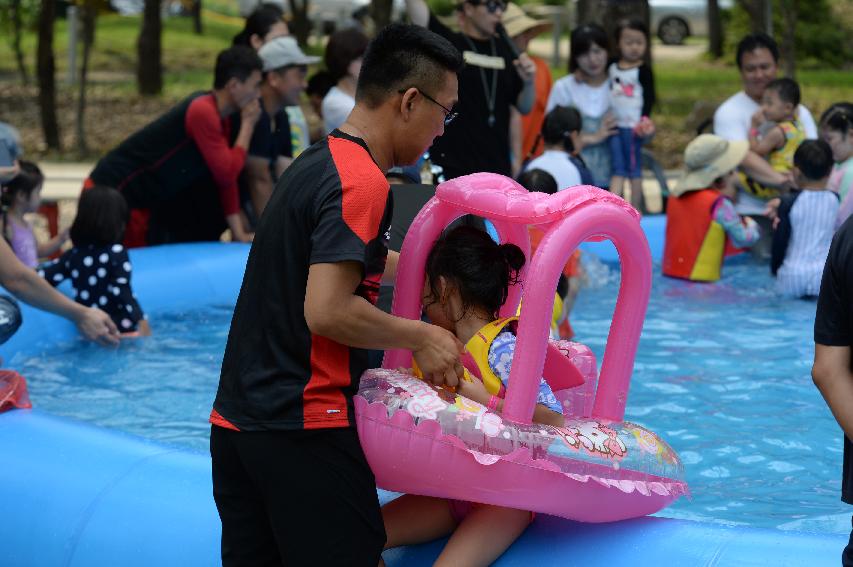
(806, 223)
(587, 88)
(701, 222)
(97, 264)
(21, 196)
(467, 280)
(632, 95)
(836, 129)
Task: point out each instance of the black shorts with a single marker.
(295, 498)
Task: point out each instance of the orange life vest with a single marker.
(695, 243)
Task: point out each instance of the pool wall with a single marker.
(78, 495)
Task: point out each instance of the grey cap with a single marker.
(284, 51)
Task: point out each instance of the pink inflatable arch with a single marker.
(423, 440)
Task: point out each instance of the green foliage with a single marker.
(817, 42)
(442, 7)
(29, 11)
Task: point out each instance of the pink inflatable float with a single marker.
(597, 468)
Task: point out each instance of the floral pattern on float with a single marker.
(581, 446)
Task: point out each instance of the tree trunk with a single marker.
(46, 68)
(380, 12)
(788, 50)
(300, 25)
(16, 41)
(715, 30)
(758, 12)
(149, 65)
(196, 13)
(88, 14)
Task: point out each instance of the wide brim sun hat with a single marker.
(706, 158)
(516, 22)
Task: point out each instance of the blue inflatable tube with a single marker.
(78, 495)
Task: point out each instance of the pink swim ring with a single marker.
(424, 440)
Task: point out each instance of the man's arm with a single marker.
(526, 69)
(418, 12)
(332, 310)
(759, 169)
(832, 376)
(260, 182)
(281, 164)
(516, 133)
(27, 286)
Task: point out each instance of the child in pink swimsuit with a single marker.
(20, 196)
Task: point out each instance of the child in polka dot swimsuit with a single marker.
(98, 265)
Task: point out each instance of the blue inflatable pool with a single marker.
(78, 495)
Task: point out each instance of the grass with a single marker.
(688, 91)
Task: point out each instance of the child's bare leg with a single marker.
(483, 536)
(414, 519)
(616, 185)
(637, 200)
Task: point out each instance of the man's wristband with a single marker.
(493, 403)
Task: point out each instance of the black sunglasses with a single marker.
(491, 5)
(449, 114)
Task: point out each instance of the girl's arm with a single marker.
(476, 391)
(742, 235)
(121, 269)
(53, 245)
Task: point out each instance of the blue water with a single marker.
(722, 374)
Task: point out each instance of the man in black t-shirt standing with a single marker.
(493, 79)
(833, 336)
(291, 483)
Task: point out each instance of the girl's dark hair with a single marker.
(559, 124)
(538, 180)
(258, 23)
(320, 83)
(27, 181)
(102, 215)
(344, 47)
(838, 117)
(582, 40)
(476, 265)
(630, 24)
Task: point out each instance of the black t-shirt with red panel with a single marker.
(331, 205)
(833, 324)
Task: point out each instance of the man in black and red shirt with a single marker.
(833, 336)
(290, 481)
(154, 166)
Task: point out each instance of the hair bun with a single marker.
(513, 256)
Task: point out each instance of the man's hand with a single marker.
(97, 326)
(525, 67)
(438, 356)
(250, 113)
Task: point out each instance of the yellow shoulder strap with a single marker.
(478, 346)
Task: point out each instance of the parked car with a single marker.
(674, 20)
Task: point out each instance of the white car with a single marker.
(674, 20)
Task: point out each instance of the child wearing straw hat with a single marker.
(701, 222)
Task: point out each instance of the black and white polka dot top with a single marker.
(100, 277)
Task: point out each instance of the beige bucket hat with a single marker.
(517, 22)
(706, 158)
